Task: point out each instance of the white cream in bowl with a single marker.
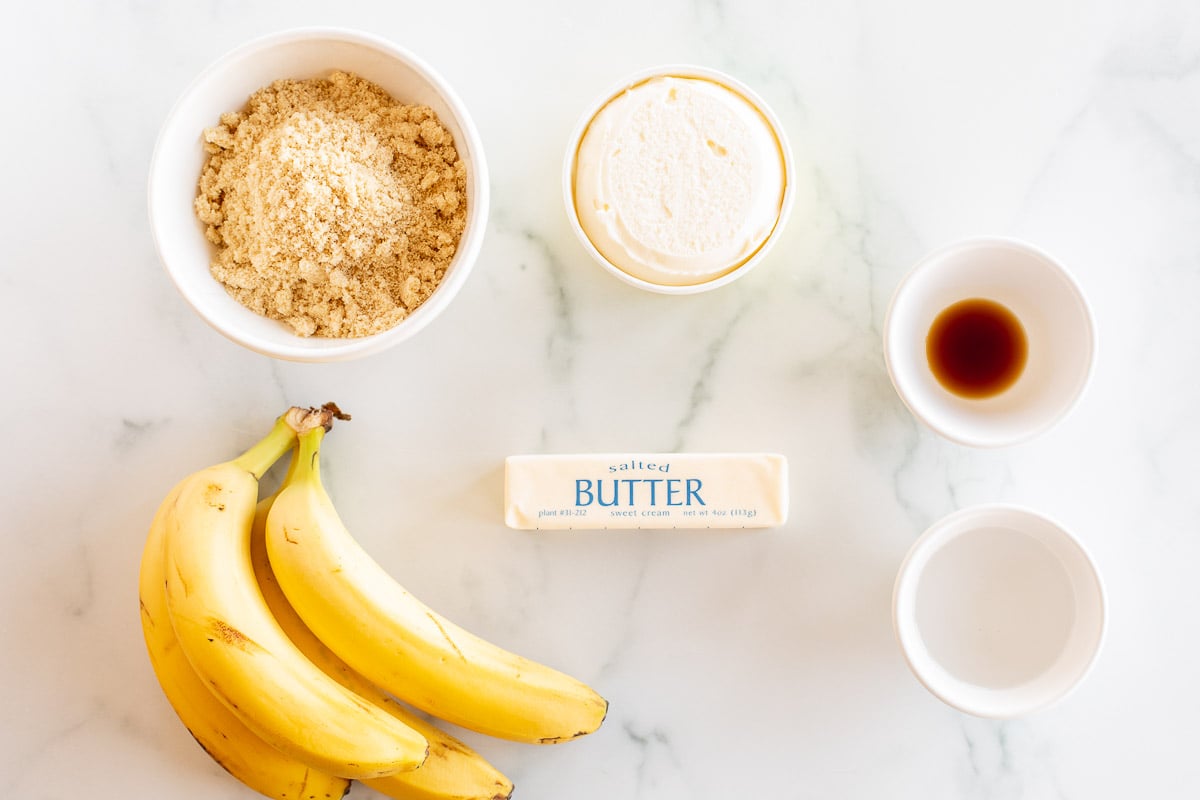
(678, 181)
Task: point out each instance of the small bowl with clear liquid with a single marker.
(998, 611)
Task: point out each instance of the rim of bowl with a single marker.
(907, 580)
(469, 244)
(680, 71)
(962, 437)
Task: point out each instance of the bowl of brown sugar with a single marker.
(318, 195)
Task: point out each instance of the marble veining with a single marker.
(702, 392)
(736, 664)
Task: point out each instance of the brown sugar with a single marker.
(334, 208)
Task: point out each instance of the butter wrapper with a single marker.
(645, 490)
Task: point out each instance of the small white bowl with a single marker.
(1058, 326)
(677, 71)
(225, 86)
(999, 611)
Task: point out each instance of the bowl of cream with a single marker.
(678, 180)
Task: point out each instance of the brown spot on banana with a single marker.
(453, 745)
(287, 538)
(361, 703)
(561, 739)
(211, 754)
(445, 634)
(220, 693)
(212, 495)
(232, 636)
(187, 590)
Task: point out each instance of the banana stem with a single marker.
(308, 465)
(294, 422)
(259, 458)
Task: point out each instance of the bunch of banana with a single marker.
(241, 602)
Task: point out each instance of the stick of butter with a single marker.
(645, 490)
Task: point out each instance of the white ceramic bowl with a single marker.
(1044, 297)
(677, 71)
(225, 86)
(999, 611)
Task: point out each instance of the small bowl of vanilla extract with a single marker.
(989, 341)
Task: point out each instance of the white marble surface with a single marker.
(737, 665)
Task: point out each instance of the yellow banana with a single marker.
(222, 735)
(452, 771)
(236, 646)
(397, 642)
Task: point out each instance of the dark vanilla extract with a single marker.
(976, 348)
